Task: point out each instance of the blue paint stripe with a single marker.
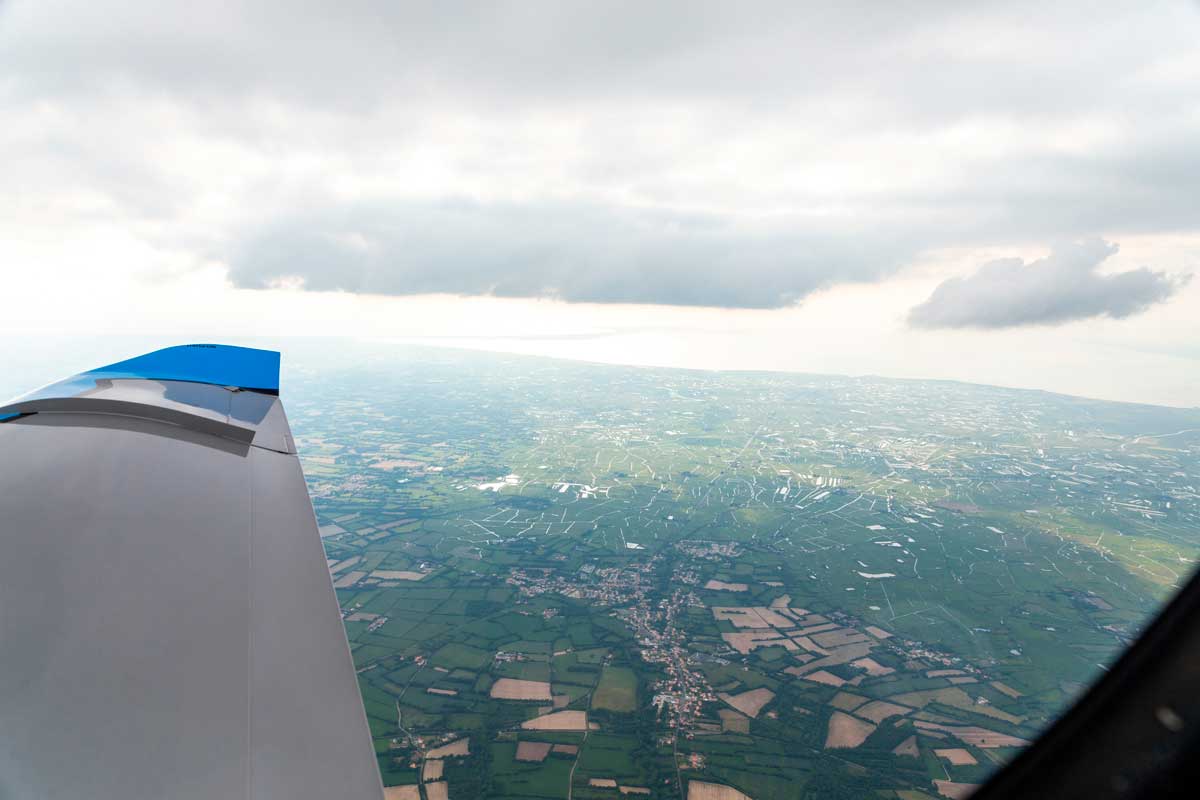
(219, 364)
(223, 365)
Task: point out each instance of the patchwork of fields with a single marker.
(564, 580)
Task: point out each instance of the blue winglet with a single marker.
(220, 364)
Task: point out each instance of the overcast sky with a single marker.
(1002, 193)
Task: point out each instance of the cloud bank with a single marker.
(680, 153)
(1062, 287)
(572, 252)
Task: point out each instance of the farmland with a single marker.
(573, 580)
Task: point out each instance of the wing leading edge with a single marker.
(168, 627)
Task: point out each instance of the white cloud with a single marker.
(1062, 287)
(593, 152)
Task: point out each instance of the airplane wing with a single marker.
(168, 627)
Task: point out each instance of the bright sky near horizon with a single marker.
(996, 193)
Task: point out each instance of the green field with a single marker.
(700, 562)
(617, 690)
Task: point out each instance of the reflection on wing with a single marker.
(167, 623)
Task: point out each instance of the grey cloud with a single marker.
(374, 50)
(907, 59)
(1062, 287)
(635, 111)
(580, 253)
